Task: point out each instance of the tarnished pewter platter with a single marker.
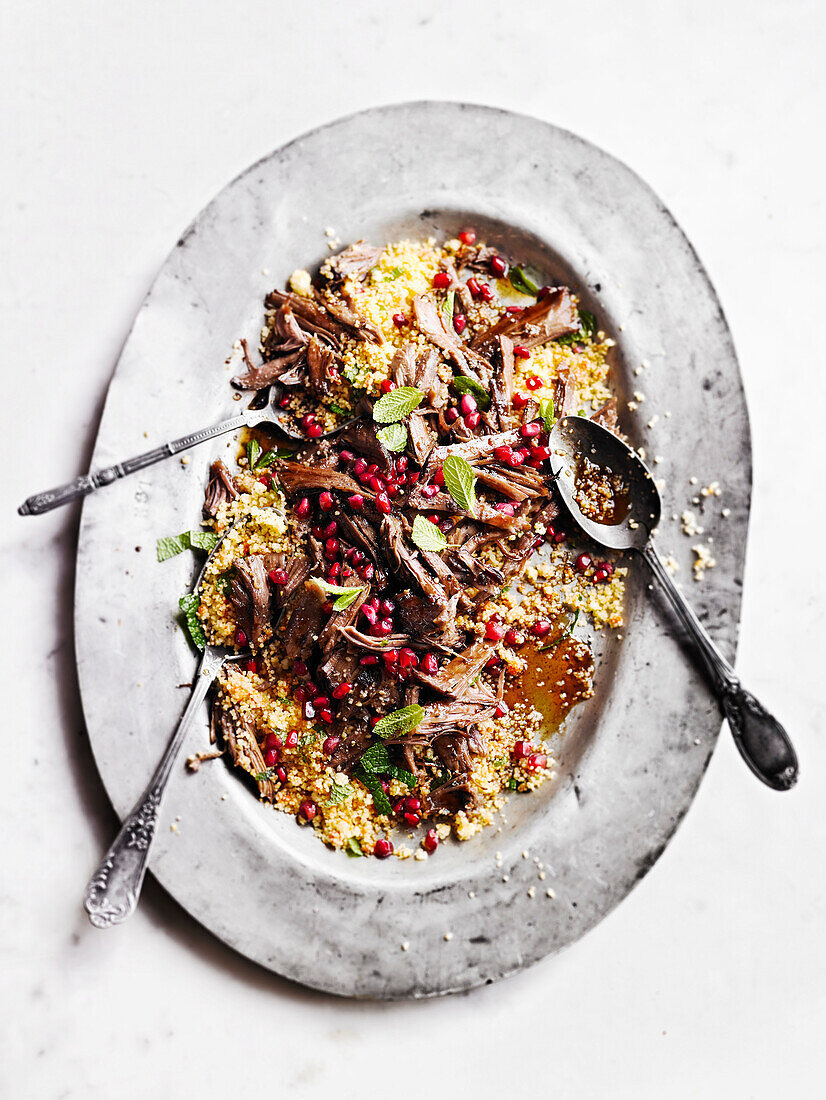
(633, 755)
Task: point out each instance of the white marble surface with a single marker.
(119, 122)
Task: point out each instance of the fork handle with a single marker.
(88, 483)
(114, 888)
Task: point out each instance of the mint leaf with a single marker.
(188, 540)
(460, 482)
(588, 323)
(397, 404)
(427, 535)
(521, 282)
(253, 451)
(447, 308)
(353, 847)
(547, 413)
(399, 721)
(339, 794)
(394, 437)
(345, 595)
(403, 776)
(469, 385)
(373, 785)
(376, 758)
(189, 604)
(268, 457)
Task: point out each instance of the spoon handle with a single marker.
(761, 740)
(115, 887)
(88, 483)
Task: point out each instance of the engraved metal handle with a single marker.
(115, 887)
(88, 483)
(761, 740)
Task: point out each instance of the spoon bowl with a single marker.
(573, 439)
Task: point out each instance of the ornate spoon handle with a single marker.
(761, 740)
(115, 887)
(88, 483)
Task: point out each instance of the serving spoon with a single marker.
(270, 414)
(762, 741)
(115, 887)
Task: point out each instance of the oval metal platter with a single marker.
(631, 758)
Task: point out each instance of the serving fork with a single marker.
(114, 889)
(271, 415)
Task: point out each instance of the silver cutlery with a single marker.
(115, 887)
(271, 415)
(761, 740)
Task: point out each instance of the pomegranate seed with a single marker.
(279, 576)
(414, 476)
(264, 479)
(331, 547)
(399, 320)
(517, 458)
(540, 628)
(284, 403)
(521, 749)
(431, 841)
(273, 741)
(346, 456)
(540, 455)
(599, 576)
(402, 479)
(606, 567)
(368, 660)
(467, 405)
(560, 536)
(302, 508)
(325, 501)
(434, 517)
(325, 714)
(356, 556)
(498, 267)
(317, 531)
(536, 761)
(387, 384)
(451, 415)
(367, 571)
(493, 662)
(271, 757)
(468, 236)
(387, 607)
(495, 632)
(356, 502)
(520, 400)
(382, 848)
(359, 467)
(281, 773)
(307, 420)
(407, 658)
(430, 664)
(383, 503)
(330, 529)
(370, 614)
(521, 352)
(513, 637)
(330, 745)
(533, 383)
(486, 292)
(439, 476)
(341, 690)
(503, 454)
(308, 810)
(459, 323)
(299, 668)
(401, 464)
(473, 287)
(441, 280)
(506, 507)
(381, 628)
(411, 819)
(513, 309)
(429, 491)
(583, 562)
(291, 740)
(240, 638)
(532, 430)
(500, 710)
(321, 701)
(314, 431)
(250, 666)
(390, 657)
(543, 292)
(472, 420)
(376, 483)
